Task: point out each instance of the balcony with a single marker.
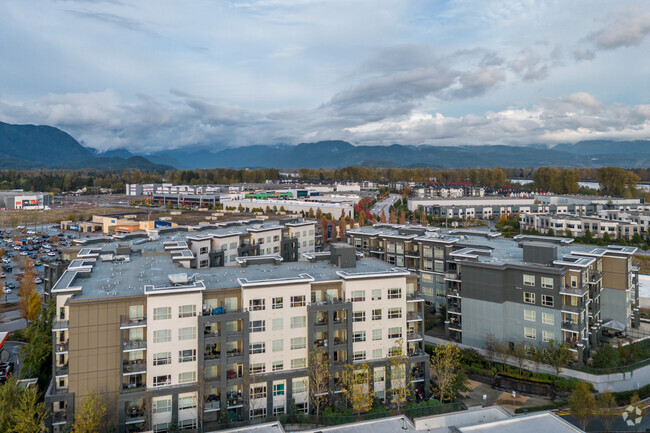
(412, 316)
(133, 367)
(452, 276)
(59, 418)
(453, 293)
(218, 311)
(574, 308)
(413, 336)
(414, 297)
(133, 345)
(235, 401)
(340, 341)
(455, 324)
(233, 353)
(454, 308)
(212, 403)
(572, 326)
(62, 347)
(131, 323)
(135, 414)
(595, 277)
(133, 387)
(212, 355)
(60, 325)
(61, 370)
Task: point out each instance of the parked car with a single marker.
(3, 275)
(7, 291)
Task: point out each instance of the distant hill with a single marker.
(24, 147)
(335, 154)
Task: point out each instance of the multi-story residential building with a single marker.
(531, 288)
(641, 217)
(577, 225)
(159, 344)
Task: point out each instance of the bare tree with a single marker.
(519, 352)
(319, 377)
(491, 344)
(607, 409)
(502, 351)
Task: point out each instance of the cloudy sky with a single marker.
(150, 75)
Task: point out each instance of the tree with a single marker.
(491, 344)
(445, 366)
(319, 378)
(635, 411)
(519, 352)
(582, 404)
(537, 355)
(10, 393)
(362, 218)
(311, 214)
(414, 220)
(319, 213)
(26, 292)
(402, 217)
(606, 357)
(615, 181)
(91, 415)
(357, 387)
(240, 208)
(607, 409)
(382, 217)
(324, 226)
(502, 351)
(342, 227)
(400, 391)
(558, 355)
(37, 353)
(334, 230)
(393, 216)
(29, 414)
(423, 219)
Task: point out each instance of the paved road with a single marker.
(385, 205)
(11, 352)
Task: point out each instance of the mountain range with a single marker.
(30, 146)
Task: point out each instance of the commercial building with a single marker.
(18, 199)
(531, 288)
(129, 222)
(158, 343)
(297, 206)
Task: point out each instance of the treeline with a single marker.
(56, 181)
(475, 176)
(586, 174)
(614, 181)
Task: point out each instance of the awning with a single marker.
(615, 325)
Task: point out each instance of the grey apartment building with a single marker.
(529, 288)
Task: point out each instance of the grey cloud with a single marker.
(581, 55)
(622, 29)
(114, 20)
(529, 66)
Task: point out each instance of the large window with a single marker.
(162, 406)
(548, 336)
(376, 314)
(278, 345)
(162, 313)
(359, 355)
(258, 348)
(530, 315)
(162, 336)
(278, 365)
(187, 311)
(258, 391)
(299, 385)
(359, 336)
(529, 298)
(258, 326)
(529, 280)
(358, 296)
(298, 343)
(394, 332)
(188, 355)
(277, 324)
(278, 303)
(187, 377)
(394, 293)
(162, 358)
(395, 313)
(547, 300)
(530, 333)
(256, 304)
(278, 389)
(136, 312)
(162, 380)
(186, 402)
(359, 316)
(298, 301)
(257, 368)
(298, 322)
(547, 283)
(376, 294)
(548, 319)
(188, 333)
(299, 363)
(376, 334)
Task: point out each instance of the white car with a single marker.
(38, 280)
(7, 291)
(3, 275)
(51, 253)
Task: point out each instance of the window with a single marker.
(162, 358)
(548, 318)
(529, 298)
(298, 363)
(359, 355)
(278, 389)
(358, 296)
(278, 410)
(277, 325)
(187, 377)
(395, 313)
(547, 336)
(394, 293)
(529, 280)
(278, 303)
(259, 367)
(379, 374)
(258, 391)
(162, 313)
(299, 386)
(376, 314)
(530, 333)
(258, 326)
(574, 281)
(258, 348)
(530, 315)
(376, 294)
(188, 355)
(187, 311)
(162, 380)
(162, 336)
(256, 304)
(438, 253)
(394, 332)
(188, 333)
(547, 300)
(298, 343)
(278, 345)
(359, 316)
(233, 245)
(359, 336)
(298, 322)
(203, 250)
(376, 353)
(376, 334)
(298, 301)
(136, 312)
(547, 283)
(188, 402)
(162, 406)
(278, 365)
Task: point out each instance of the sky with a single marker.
(166, 74)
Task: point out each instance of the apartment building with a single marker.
(159, 344)
(640, 217)
(577, 225)
(531, 288)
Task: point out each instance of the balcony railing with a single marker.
(61, 370)
(134, 345)
(452, 276)
(453, 293)
(414, 297)
(412, 336)
(134, 366)
(132, 387)
(570, 325)
(213, 405)
(60, 325)
(595, 277)
(135, 412)
(59, 417)
(128, 322)
(62, 347)
(212, 355)
(234, 352)
(218, 311)
(412, 316)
